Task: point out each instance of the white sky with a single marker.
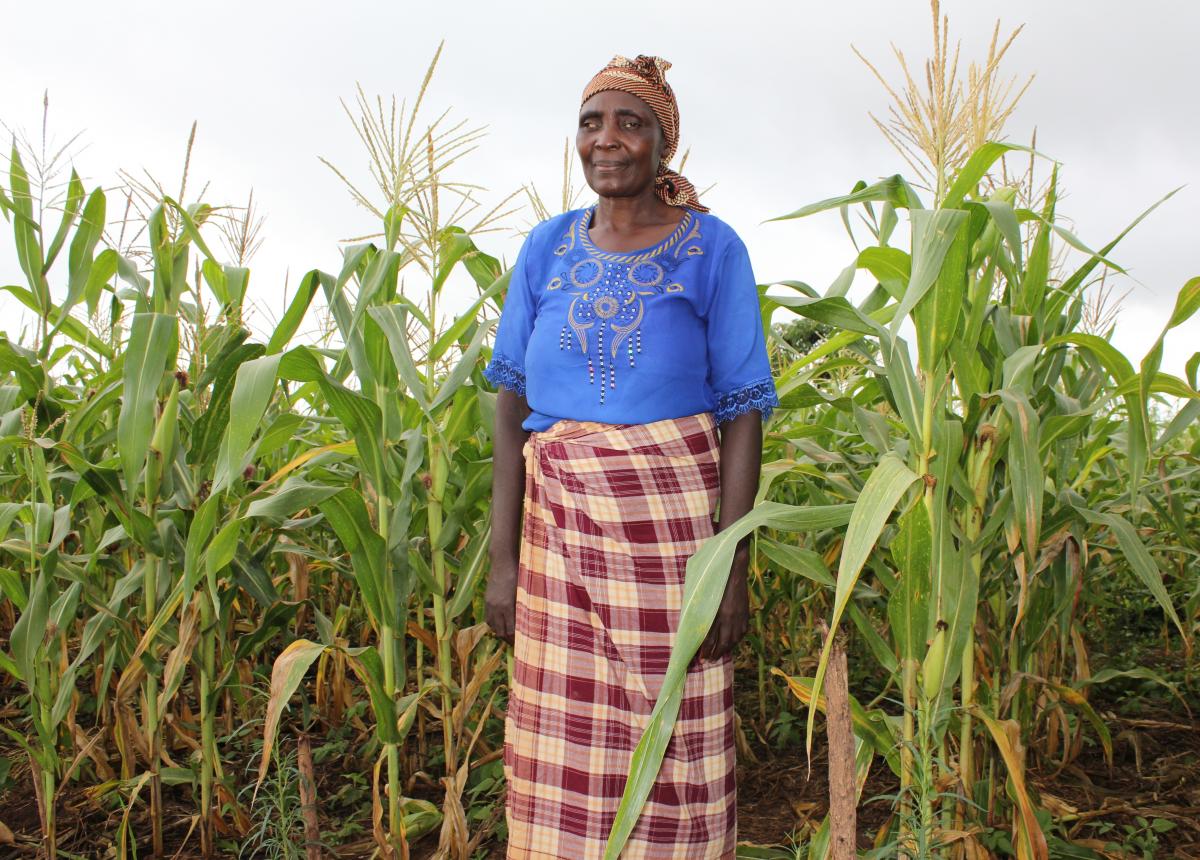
(774, 107)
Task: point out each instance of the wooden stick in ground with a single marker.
(840, 733)
(308, 799)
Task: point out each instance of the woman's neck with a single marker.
(629, 215)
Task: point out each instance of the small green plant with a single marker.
(277, 832)
(1139, 839)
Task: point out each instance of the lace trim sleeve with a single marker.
(759, 394)
(502, 371)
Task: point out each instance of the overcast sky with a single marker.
(774, 107)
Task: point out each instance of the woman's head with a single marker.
(629, 131)
(620, 144)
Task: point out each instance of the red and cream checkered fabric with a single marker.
(612, 514)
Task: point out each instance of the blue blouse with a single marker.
(633, 337)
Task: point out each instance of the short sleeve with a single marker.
(507, 366)
(739, 370)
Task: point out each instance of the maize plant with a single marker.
(994, 425)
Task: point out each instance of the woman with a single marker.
(634, 382)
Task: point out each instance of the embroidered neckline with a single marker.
(636, 256)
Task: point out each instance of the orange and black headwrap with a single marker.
(645, 77)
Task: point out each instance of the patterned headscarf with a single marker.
(645, 77)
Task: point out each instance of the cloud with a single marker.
(774, 109)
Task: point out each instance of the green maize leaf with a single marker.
(469, 317)
(880, 649)
(339, 306)
(1025, 469)
(202, 525)
(1079, 276)
(393, 219)
(30, 629)
(295, 312)
(463, 368)
(1075, 242)
(209, 429)
(62, 321)
(471, 573)
(12, 587)
(975, 169)
(890, 480)
(936, 315)
(215, 278)
(25, 230)
(933, 232)
(362, 418)
(831, 310)
(22, 364)
(907, 608)
(1150, 382)
(102, 271)
(1187, 302)
(1005, 219)
(890, 266)
(894, 190)
(294, 495)
(797, 560)
(1065, 426)
(368, 666)
(275, 622)
(252, 391)
(80, 259)
(1140, 561)
(191, 229)
(453, 245)
(1188, 415)
(153, 341)
(94, 632)
(164, 295)
(347, 516)
(842, 283)
(1119, 368)
(704, 584)
(376, 283)
(393, 320)
(1032, 288)
(237, 280)
(902, 381)
(219, 554)
(1142, 673)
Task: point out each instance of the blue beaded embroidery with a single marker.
(610, 290)
(759, 395)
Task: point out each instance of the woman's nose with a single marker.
(607, 138)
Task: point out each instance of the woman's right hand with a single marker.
(500, 600)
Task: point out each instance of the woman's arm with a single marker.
(741, 459)
(508, 496)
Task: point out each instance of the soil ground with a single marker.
(1155, 775)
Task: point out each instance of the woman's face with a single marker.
(619, 143)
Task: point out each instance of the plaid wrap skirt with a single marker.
(612, 513)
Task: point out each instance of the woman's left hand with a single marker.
(733, 615)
